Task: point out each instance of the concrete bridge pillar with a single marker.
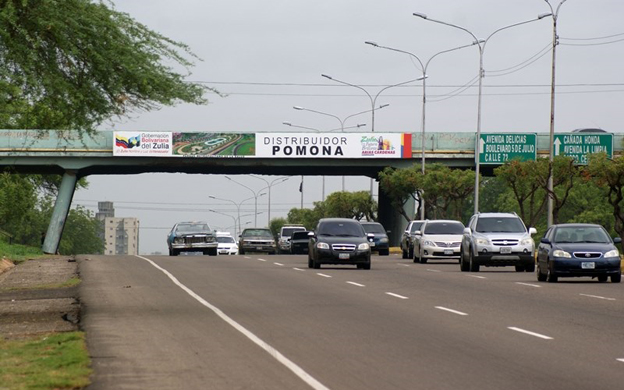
(391, 219)
(59, 214)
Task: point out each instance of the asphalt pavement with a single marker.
(270, 322)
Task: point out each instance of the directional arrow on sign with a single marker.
(557, 146)
(481, 145)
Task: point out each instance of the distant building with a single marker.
(120, 235)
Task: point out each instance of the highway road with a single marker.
(270, 322)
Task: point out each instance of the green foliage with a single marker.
(74, 64)
(54, 361)
(609, 174)
(276, 225)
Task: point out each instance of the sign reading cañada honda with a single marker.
(332, 145)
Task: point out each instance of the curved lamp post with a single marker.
(423, 69)
(256, 196)
(269, 185)
(555, 41)
(481, 45)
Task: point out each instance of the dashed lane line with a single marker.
(528, 284)
(397, 295)
(598, 297)
(298, 269)
(280, 264)
(477, 276)
(323, 275)
(356, 284)
(451, 310)
(541, 336)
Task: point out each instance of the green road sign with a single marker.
(500, 148)
(579, 145)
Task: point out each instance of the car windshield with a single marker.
(500, 225)
(288, 232)
(581, 234)
(300, 235)
(226, 240)
(444, 228)
(257, 233)
(187, 228)
(341, 229)
(415, 227)
(373, 228)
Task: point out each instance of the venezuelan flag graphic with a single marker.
(406, 145)
(127, 143)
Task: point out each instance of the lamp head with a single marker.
(287, 123)
(420, 15)
(327, 76)
(298, 107)
(542, 16)
(371, 43)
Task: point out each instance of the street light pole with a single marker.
(255, 197)
(555, 41)
(423, 70)
(238, 205)
(269, 185)
(481, 45)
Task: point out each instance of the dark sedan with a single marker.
(299, 242)
(569, 250)
(380, 243)
(339, 241)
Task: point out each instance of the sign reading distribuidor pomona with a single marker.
(263, 145)
(333, 145)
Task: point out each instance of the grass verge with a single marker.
(18, 253)
(53, 361)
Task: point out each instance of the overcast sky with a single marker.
(269, 56)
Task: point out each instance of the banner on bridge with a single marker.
(263, 145)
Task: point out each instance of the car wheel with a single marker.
(416, 258)
(315, 264)
(384, 252)
(541, 277)
(310, 262)
(603, 278)
(410, 254)
(241, 251)
(519, 268)
(174, 252)
(552, 278)
(463, 264)
(423, 260)
(530, 267)
(404, 254)
(474, 267)
(212, 252)
(616, 278)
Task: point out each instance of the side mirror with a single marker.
(418, 233)
(467, 230)
(532, 231)
(311, 234)
(544, 240)
(617, 240)
(370, 236)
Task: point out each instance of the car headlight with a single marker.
(612, 253)
(178, 240)
(482, 241)
(385, 239)
(322, 245)
(428, 243)
(363, 246)
(527, 241)
(561, 253)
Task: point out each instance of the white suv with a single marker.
(497, 240)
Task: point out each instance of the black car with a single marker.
(339, 241)
(569, 250)
(380, 243)
(299, 242)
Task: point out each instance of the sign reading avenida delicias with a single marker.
(263, 145)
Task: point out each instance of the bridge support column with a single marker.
(59, 214)
(391, 219)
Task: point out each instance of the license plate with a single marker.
(448, 251)
(588, 265)
(372, 244)
(259, 248)
(505, 250)
(343, 256)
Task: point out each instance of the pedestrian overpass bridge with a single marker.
(75, 155)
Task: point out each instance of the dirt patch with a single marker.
(32, 303)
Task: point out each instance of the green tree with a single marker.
(74, 64)
(356, 205)
(401, 186)
(609, 174)
(276, 225)
(18, 201)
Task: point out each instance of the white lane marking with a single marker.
(477, 276)
(307, 378)
(541, 336)
(598, 297)
(451, 310)
(434, 270)
(261, 259)
(280, 264)
(298, 269)
(246, 257)
(528, 284)
(323, 275)
(356, 284)
(404, 265)
(620, 360)
(397, 295)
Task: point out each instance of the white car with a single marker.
(439, 240)
(226, 245)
